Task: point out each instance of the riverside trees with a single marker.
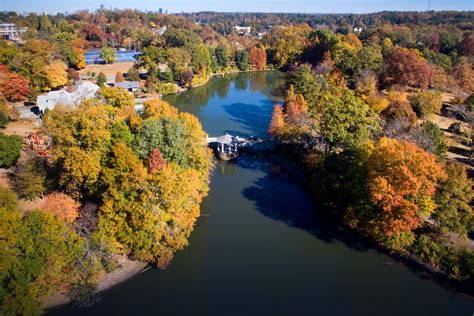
(113, 188)
(368, 154)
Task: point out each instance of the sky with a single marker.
(294, 6)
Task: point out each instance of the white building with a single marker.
(11, 32)
(243, 29)
(83, 90)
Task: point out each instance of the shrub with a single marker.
(132, 75)
(3, 119)
(459, 265)
(428, 250)
(101, 79)
(164, 88)
(469, 102)
(437, 141)
(425, 103)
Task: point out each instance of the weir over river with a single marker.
(263, 247)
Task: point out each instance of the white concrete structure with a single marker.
(11, 32)
(83, 90)
(243, 29)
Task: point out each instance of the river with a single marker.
(261, 246)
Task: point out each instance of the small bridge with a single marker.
(227, 146)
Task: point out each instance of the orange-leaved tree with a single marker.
(61, 205)
(14, 86)
(402, 181)
(277, 122)
(258, 58)
(296, 107)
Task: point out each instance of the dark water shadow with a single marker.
(280, 197)
(253, 117)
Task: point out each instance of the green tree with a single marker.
(222, 58)
(305, 82)
(120, 133)
(108, 55)
(30, 179)
(454, 212)
(344, 119)
(10, 147)
(132, 75)
(8, 199)
(242, 60)
(40, 251)
(178, 61)
(165, 134)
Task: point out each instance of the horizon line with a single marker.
(234, 12)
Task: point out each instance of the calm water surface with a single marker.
(262, 248)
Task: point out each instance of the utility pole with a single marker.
(429, 5)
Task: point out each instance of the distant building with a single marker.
(131, 86)
(243, 29)
(160, 10)
(11, 32)
(83, 90)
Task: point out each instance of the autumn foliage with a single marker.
(56, 74)
(61, 205)
(406, 68)
(14, 86)
(155, 161)
(258, 58)
(402, 181)
(296, 107)
(277, 122)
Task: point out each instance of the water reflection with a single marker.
(279, 201)
(253, 117)
(266, 83)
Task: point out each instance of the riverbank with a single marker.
(290, 161)
(127, 269)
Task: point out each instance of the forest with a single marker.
(360, 96)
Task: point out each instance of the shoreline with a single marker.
(290, 165)
(180, 90)
(128, 269)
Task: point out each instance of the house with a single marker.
(11, 32)
(83, 90)
(242, 30)
(128, 85)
